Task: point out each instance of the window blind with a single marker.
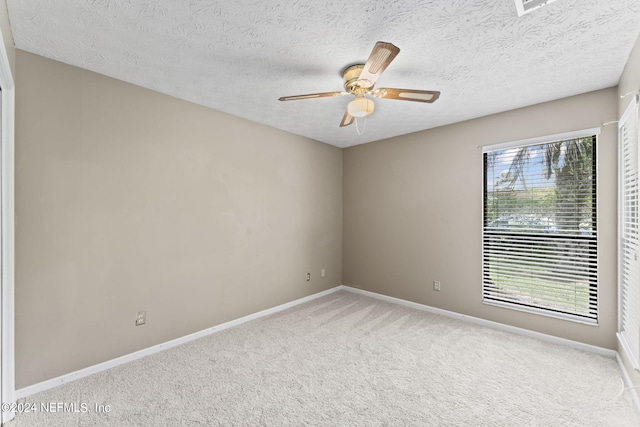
(539, 233)
(628, 232)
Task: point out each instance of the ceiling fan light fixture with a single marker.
(360, 107)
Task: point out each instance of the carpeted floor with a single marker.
(350, 360)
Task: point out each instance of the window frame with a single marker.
(584, 133)
(628, 342)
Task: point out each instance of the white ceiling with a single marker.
(240, 56)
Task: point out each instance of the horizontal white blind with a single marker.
(539, 234)
(628, 234)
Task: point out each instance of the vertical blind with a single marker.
(628, 232)
(539, 233)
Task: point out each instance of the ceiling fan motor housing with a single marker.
(352, 82)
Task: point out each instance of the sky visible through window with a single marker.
(500, 163)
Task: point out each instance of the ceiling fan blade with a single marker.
(312, 95)
(407, 94)
(347, 119)
(380, 58)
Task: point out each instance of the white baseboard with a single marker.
(76, 375)
(488, 323)
(63, 379)
(628, 384)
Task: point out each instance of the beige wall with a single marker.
(413, 212)
(130, 200)
(629, 82)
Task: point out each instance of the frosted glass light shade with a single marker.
(360, 107)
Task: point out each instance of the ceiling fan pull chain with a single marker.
(364, 125)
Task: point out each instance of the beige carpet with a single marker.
(350, 360)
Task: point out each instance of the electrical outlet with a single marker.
(436, 286)
(141, 318)
(323, 273)
(308, 276)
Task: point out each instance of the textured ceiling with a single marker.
(240, 56)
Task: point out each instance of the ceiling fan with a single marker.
(359, 80)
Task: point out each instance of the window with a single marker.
(628, 233)
(539, 233)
